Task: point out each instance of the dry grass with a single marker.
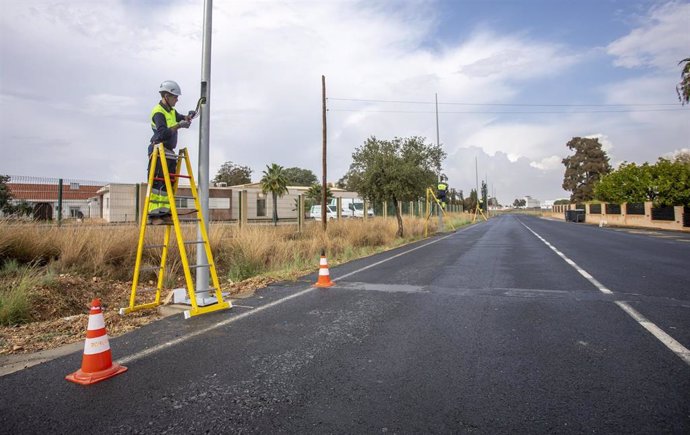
(48, 274)
(108, 252)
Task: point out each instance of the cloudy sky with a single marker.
(516, 79)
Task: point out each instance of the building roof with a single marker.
(49, 192)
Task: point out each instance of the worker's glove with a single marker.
(183, 124)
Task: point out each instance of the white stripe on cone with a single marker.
(96, 345)
(323, 262)
(323, 272)
(96, 321)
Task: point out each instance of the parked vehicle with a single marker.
(351, 207)
(315, 212)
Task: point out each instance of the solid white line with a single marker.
(663, 337)
(657, 332)
(146, 352)
(580, 270)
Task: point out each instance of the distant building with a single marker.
(547, 204)
(531, 202)
(78, 200)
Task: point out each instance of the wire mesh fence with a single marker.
(65, 199)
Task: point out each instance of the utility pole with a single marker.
(476, 179)
(438, 144)
(324, 195)
(202, 286)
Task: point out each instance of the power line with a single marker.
(501, 104)
(491, 112)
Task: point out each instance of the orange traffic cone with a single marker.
(324, 277)
(97, 363)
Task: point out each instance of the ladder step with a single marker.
(171, 175)
(153, 246)
(189, 220)
(149, 268)
(182, 197)
(198, 266)
(194, 242)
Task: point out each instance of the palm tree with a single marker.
(683, 87)
(274, 181)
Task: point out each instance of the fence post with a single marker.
(385, 209)
(365, 205)
(240, 207)
(136, 203)
(59, 204)
(245, 208)
(300, 212)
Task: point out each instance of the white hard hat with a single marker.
(170, 87)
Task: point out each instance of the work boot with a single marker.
(161, 220)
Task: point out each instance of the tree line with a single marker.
(589, 176)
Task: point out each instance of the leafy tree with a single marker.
(394, 170)
(628, 183)
(6, 197)
(314, 193)
(299, 177)
(5, 194)
(667, 182)
(683, 88)
(233, 174)
(470, 203)
(342, 182)
(454, 196)
(485, 196)
(671, 182)
(584, 168)
(561, 202)
(274, 181)
(519, 203)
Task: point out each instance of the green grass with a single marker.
(15, 294)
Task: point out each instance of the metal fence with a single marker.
(61, 199)
(72, 200)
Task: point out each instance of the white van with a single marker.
(352, 207)
(315, 212)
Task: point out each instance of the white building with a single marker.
(531, 202)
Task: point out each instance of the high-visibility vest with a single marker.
(442, 187)
(170, 117)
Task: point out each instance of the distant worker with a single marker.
(442, 190)
(165, 122)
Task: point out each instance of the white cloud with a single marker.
(548, 163)
(661, 40)
(95, 67)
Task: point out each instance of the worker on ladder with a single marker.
(165, 122)
(442, 190)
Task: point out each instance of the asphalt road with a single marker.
(486, 330)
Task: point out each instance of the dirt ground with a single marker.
(60, 312)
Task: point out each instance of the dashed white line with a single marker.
(582, 272)
(146, 352)
(657, 332)
(663, 337)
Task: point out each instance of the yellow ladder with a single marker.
(431, 195)
(160, 157)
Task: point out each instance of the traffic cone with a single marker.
(97, 363)
(324, 277)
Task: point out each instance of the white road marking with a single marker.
(582, 272)
(147, 352)
(663, 337)
(657, 332)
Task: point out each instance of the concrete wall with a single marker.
(623, 219)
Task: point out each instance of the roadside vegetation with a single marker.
(48, 273)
